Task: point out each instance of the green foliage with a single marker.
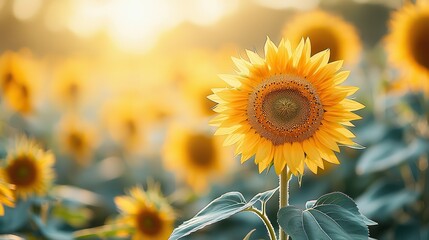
(219, 209)
(390, 153)
(332, 216)
(383, 198)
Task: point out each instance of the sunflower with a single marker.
(17, 81)
(287, 109)
(196, 155)
(29, 168)
(77, 138)
(148, 212)
(326, 31)
(71, 84)
(199, 77)
(408, 43)
(6, 195)
(125, 119)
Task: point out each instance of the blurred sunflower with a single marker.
(17, 81)
(196, 155)
(200, 76)
(126, 122)
(157, 103)
(148, 212)
(326, 31)
(77, 139)
(408, 44)
(6, 196)
(29, 168)
(71, 85)
(286, 109)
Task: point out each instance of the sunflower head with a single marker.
(17, 81)
(199, 77)
(125, 119)
(195, 155)
(77, 139)
(408, 43)
(326, 31)
(7, 196)
(29, 168)
(287, 109)
(148, 212)
(70, 84)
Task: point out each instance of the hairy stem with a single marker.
(284, 196)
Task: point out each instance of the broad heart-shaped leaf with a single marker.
(390, 153)
(332, 216)
(344, 201)
(219, 209)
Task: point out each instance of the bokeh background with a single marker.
(117, 90)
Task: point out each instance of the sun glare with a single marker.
(135, 25)
(25, 10)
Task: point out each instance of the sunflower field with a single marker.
(214, 119)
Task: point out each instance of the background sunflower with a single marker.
(407, 44)
(148, 212)
(326, 31)
(141, 66)
(196, 156)
(29, 168)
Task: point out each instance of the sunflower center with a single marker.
(73, 90)
(419, 41)
(22, 171)
(76, 141)
(7, 79)
(323, 38)
(149, 223)
(285, 108)
(201, 151)
(25, 93)
(130, 127)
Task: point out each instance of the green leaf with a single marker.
(344, 201)
(49, 230)
(390, 153)
(332, 216)
(383, 198)
(76, 216)
(219, 209)
(247, 237)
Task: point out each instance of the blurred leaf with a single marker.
(372, 132)
(408, 231)
(247, 237)
(219, 209)
(332, 216)
(76, 195)
(15, 218)
(389, 153)
(49, 231)
(76, 216)
(383, 198)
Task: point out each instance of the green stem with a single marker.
(266, 221)
(284, 196)
(105, 230)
